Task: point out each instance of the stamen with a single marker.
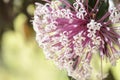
(97, 2)
(87, 5)
(104, 17)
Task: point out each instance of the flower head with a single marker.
(71, 33)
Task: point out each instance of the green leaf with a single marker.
(91, 3)
(103, 8)
(71, 1)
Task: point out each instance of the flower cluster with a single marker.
(71, 33)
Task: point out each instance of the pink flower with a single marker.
(70, 34)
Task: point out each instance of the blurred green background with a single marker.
(20, 56)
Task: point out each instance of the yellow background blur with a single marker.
(23, 59)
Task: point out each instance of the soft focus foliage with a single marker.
(23, 59)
